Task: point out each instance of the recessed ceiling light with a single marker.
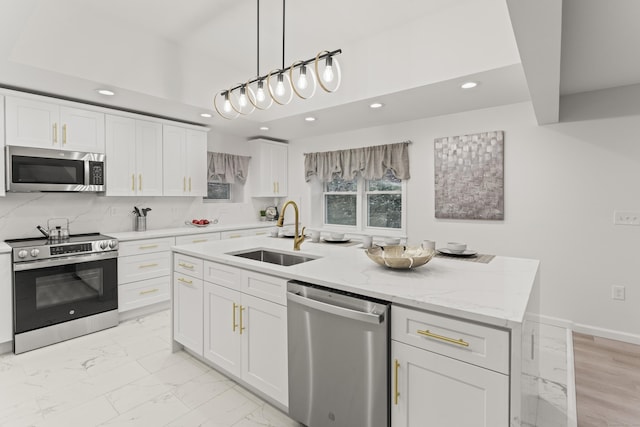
(106, 92)
(376, 105)
(310, 119)
(469, 85)
(207, 115)
(264, 128)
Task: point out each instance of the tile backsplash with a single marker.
(21, 212)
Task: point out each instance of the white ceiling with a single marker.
(169, 58)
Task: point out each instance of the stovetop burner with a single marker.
(37, 248)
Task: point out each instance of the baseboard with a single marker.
(586, 329)
(143, 311)
(6, 347)
(572, 409)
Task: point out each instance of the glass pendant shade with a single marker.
(303, 80)
(328, 71)
(258, 94)
(279, 85)
(223, 106)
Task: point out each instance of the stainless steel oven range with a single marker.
(63, 289)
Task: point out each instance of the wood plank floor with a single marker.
(607, 382)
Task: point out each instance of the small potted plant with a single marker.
(263, 215)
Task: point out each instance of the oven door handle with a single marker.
(54, 262)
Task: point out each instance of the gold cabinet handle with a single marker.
(242, 328)
(184, 184)
(277, 188)
(185, 265)
(234, 236)
(234, 325)
(188, 282)
(148, 247)
(64, 134)
(140, 182)
(189, 184)
(261, 233)
(274, 187)
(396, 393)
(149, 291)
(55, 133)
(133, 182)
(460, 341)
(148, 265)
(198, 240)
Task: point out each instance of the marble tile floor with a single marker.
(124, 376)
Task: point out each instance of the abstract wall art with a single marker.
(469, 176)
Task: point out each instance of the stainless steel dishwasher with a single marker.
(338, 358)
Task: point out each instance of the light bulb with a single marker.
(280, 85)
(327, 75)
(302, 80)
(260, 91)
(243, 97)
(227, 103)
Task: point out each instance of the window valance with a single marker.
(228, 168)
(369, 162)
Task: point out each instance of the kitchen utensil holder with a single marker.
(140, 223)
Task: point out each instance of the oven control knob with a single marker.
(113, 244)
(35, 252)
(22, 254)
(104, 244)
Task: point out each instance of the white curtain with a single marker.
(228, 168)
(369, 162)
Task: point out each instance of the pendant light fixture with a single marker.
(301, 78)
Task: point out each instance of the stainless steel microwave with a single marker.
(39, 169)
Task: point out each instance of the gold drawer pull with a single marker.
(187, 266)
(242, 328)
(199, 241)
(184, 184)
(396, 393)
(189, 184)
(55, 133)
(150, 291)
(148, 247)
(148, 265)
(460, 341)
(133, 182)
(260, 233)
(183, 280)
(140, 182)
(233, 236)
(64, 134)
(234, 325)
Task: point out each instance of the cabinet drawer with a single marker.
(197, 238)
(143, 293)
(263, 286)
(137, 247)
(146, 266)
(186, 264)
(222, 275)
(234, 234)
(470, 342)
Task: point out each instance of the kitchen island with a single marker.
(486, 304)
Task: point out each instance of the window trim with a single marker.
(362, 211)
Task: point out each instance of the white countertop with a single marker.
(185, 230)
(4, 248)
(496, 293)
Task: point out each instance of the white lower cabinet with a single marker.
(6, 300)
(244, 335)
(188, 311)
(447, 372)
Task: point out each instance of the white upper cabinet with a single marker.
(134, 157)
(269, 168)
(184, 162)
(2, 182)
(35, 123)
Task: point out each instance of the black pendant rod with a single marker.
(258, 40)
(283, 34)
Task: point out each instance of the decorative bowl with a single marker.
(400, 256)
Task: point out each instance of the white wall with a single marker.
(562, 185)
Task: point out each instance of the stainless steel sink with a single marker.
(273, 257)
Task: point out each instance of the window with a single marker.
(218, 191)
(365, 205)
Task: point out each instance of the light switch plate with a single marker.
(626, 218)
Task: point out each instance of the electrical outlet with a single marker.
(113, 211)
(626, 218)
(617, 292)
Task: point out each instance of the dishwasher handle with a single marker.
(337, 310)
